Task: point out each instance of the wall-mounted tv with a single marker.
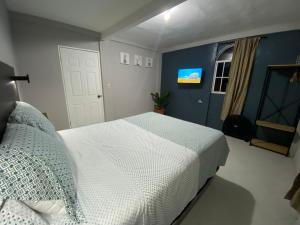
(189, 76)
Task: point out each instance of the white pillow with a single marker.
(49, 207)
(16, 212)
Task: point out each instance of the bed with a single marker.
(140, 170)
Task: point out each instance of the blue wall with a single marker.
(277, 48)
(184, 99)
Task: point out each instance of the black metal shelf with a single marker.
(263, 122)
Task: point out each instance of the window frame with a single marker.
(215, 76)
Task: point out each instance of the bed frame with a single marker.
(191, 204)
(8, 95)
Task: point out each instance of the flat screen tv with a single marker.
(189, 76)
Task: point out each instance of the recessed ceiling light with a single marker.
(167, 15)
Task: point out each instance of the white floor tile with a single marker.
(249, 190)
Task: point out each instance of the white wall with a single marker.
(295, 153)
(36, 43)
(127, 88)
(6, 47)
(295, 149)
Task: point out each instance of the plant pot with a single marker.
(159, 110)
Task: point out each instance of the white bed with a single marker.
(130, 174)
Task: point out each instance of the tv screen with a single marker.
(189, 76)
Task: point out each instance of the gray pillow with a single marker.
(25, 113)
(34, 166)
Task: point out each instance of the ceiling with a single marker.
(202, 21)
(95, 15)
(190, 23)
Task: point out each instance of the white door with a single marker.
(82, 83)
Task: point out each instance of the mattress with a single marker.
(209, 144)
(141, 170)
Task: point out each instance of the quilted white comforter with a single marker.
(130, 176)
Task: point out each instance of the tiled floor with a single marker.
(249, 190)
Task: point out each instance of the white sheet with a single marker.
(129, 176)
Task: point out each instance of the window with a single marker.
(221, 72)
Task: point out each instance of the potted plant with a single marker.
(160, 102)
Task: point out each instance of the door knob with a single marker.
(99, 96)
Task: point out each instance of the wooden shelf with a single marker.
(282, 66)
(270, 146)
(275, 126)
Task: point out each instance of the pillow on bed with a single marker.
(15, 212)
(34, 167)
(48, 207)
(25, 113)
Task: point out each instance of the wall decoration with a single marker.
(138, 60)
(149, 62)
(124, 58)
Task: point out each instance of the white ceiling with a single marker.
(192, 22)
(96, 15)
(203, 21)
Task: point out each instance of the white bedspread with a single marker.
(129, 176)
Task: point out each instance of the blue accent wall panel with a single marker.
(184, 97)
(214, 111)
(277, 48)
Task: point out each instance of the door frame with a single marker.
(63, 80)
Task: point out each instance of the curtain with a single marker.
(294, 194)
(239, 75)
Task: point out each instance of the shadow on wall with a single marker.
(222, 202)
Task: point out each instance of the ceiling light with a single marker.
(167, 15)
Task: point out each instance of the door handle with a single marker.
(99, 96)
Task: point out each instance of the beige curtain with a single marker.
(294, 194)
(239, 74)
